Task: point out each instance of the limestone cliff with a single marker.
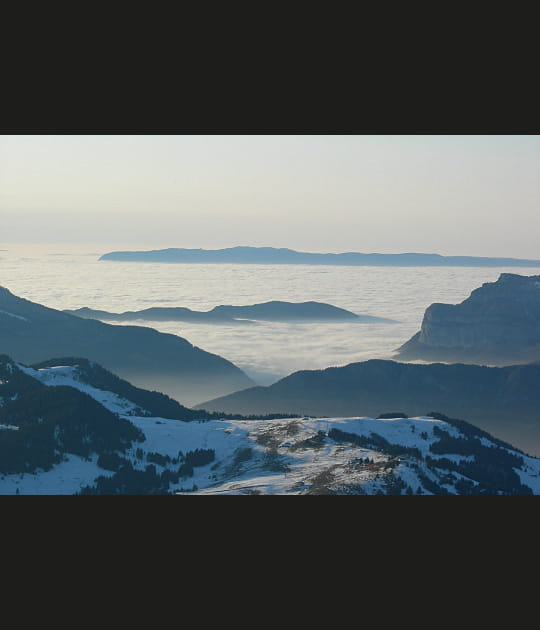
(499, 323)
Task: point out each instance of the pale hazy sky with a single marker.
(470, 195)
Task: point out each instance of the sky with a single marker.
(452, 195)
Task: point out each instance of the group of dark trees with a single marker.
(491, 471)
(130, 480)
(374, 441)
(192, 459)
(111, 461)
(471, 430)
(492, 467)
(53, 421)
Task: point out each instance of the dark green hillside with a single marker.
(52, 421)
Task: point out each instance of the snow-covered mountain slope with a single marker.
(360, 456)
(355, 455)
(116, 394)
(69, 375)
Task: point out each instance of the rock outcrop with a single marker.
(498, 324)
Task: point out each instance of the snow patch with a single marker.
(67, 477)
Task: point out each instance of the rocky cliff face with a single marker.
(497, 323)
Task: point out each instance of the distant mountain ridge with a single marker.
(502, 400)
(498, 324)
(177, 313)
(31, 333)
(223, 314)
(275, 256)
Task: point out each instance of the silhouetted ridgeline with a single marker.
(30, 333)
(223, 314)
(16, 382)
(156, 314)
(504, 401)
(275, 256)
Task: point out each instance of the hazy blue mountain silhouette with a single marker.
(178, 313)
(224, 314)
(287, 311)
(30, 333)
(275, 256)
(502, 400)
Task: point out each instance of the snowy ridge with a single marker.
(352, 455)
(69, 375)
(331, 467)
(275, 457)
